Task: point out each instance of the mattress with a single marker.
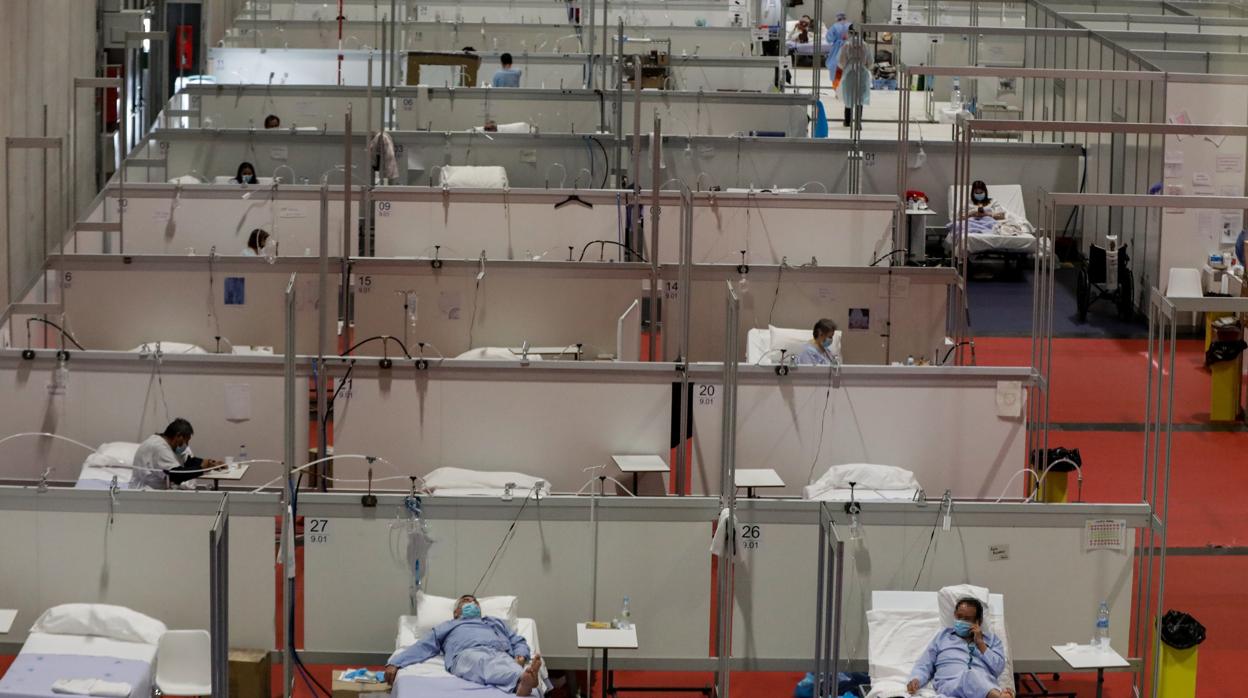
(1010, 198)
(430, 679)
(46, 658)
(865, 495)
(808, 49)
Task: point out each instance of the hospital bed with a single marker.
(462, 482)
(872, 483)
(84, 642)
(1013, 237)
(430, 679)
(763, 347)
(169, 348)
(900, 625)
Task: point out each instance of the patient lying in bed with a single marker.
(962, 661)
(479, 649)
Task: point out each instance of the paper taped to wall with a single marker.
(237, 402)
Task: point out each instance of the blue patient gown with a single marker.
(480, 650)
(957, 669)
(811, 356)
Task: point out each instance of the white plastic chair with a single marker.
(184, 663)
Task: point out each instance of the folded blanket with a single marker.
(91, 687)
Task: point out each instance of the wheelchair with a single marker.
(1091, 287)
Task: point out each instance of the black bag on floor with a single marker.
(1181, 631)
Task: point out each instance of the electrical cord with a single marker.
(606, 160)
(385, 339)
(953, 348)
(779, 277)
(823, 422)
(64, 333)
(329, 406)
(922, 565)
(506, 538)
(886, 255)
(604, 243)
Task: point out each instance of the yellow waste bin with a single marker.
(1225, 387)
(1178, 672)
(1056, 487)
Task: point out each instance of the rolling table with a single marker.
(752, 479)
(232, 472)
(605, 639)
(7, 616)
(638, 465)
(1087, 658)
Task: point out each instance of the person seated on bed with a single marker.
(476, 648)
(962, 661)
(166, 457)
(982, 206)
(818, 351)
(801, 32)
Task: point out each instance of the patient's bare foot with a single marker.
(530, 677)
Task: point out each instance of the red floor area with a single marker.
(1104, 380)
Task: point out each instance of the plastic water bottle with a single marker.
(626, 619)
(1101, 637)
(956, 99)
(242, 454)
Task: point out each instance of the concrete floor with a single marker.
(880, 116)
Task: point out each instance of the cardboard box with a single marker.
(471, 62)
(350, 689)
(251, 673)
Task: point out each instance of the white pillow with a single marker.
(868, 476)
(118, 452)
(948, 598)
(495, 354)
(792, 341)
(99, 620)
(474, 177)
(464, 479)
(432, 611)
(514, 127)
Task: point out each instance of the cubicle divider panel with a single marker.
(813, 418)
(299, 158)
(195, 219)
(293, 66)
(519, 38)
(191, 300)
(123, 398)
(503, 225)
(548, 564)
(798, 230)
(298, 106)
(688, 13)
(145, 554)
(551, 423)
(775, 583)
(440, 109)
(547, 304)
(885, 315)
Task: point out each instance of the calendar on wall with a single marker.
(1104, 534)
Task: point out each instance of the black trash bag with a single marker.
(1224, 351)
(1061, 460)
(1181, 631)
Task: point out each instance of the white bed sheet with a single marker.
(864, 495)
(1009, 197)
(89, 646)
(436, 667)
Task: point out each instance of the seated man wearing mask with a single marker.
(819, 351)
(166, 457)
(962, 661)
(479, 649)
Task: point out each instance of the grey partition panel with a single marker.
(456, 313)
(549, 423)
(121, 400)
(908, 321)
(773, 589)
(154, 563)
(547, 564)
(943, 428)
(158, 308)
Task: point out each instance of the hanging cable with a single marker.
(64, 333)
(506, 537)
(604, 243)
(823, 421)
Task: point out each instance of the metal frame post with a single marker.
(656, 164)
(288, 533)
(728, 492)
(42, 143)
(80, 84)
(683, 292)
(322, 330)
(219, 586)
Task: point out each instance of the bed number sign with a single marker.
(706, 395)
(383, 209)
(750, 535)
(318, 530)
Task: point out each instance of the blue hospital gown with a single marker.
(957, 669)
(480, 650)
(812, 356)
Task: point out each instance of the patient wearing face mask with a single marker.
(982, 205)
(477, 648)
(821, 350)
(963, 661)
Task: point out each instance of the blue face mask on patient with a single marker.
(180, 450)
(962, 628)
(470, 610)
(978, 197)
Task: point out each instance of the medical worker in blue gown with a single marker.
(479, 649)
(962, 661)
(837, 33)
(855, 61)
